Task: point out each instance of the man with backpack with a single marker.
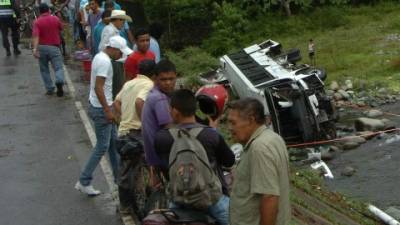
(194, 154)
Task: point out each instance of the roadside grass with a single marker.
(365, 49)
(360, 44)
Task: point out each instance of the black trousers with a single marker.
(6, 24)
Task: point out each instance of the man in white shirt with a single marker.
(101, 112)
(117, 20)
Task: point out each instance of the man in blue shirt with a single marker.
(98, 29)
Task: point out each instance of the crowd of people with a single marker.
(133, 96)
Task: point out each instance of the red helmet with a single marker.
(212, 99)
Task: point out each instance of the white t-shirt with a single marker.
(101, 66)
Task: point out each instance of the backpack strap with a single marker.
(176, 132)
(195, 131)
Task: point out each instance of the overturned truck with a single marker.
(292, 94)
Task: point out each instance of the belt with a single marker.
(50, 45)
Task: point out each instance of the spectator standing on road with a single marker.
(142, 38)
(155, 30)
(98, 30)
(311, 52)
(117, 20)
(46, 42)
(93, 19)
(156, 114)
(72, 18)
(260, 193)
(183, 108)
(125, 30)
(9, 19)
(101, 111)
(129, 105)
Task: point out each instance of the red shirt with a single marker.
(132, 63)
(47, 28)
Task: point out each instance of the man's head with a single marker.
(94, 5)
(244, 117)
(109, 5)
(105, 17)
(116, 48)
(146, 67)
(43, 8)
(183, 105)
(118, 18)
(142, 38)
(165, 76)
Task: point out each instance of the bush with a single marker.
(191, 62)
(328, 18)
(187, 22)
(229, 29)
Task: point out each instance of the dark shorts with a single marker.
(311, 54)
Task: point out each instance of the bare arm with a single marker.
(99, 90)
(117, 107)
(139, 103)
(35, 43)
(269, 209)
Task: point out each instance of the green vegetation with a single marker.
(357, 43)
(311, 183)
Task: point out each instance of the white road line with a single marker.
(105, 166)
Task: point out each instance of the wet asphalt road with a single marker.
(43, 146)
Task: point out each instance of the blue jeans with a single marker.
(106, 134)
(219, 211)
(74, 24)
(51, 54)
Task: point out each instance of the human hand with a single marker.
(213, 122)
(36, 53)
(110, 116)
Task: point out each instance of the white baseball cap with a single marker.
(119, 43)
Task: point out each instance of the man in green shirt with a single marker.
(260, 194)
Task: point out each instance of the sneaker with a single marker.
(17, 51)
(60, 91)
(89, 190)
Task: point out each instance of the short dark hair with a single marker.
(108, 4)
(105, 14)
(165, 66)
(184, 101)
(140, 32)
(146, 67)
(248, 107)
(43, 8)
(96, 1)
(156, 30)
